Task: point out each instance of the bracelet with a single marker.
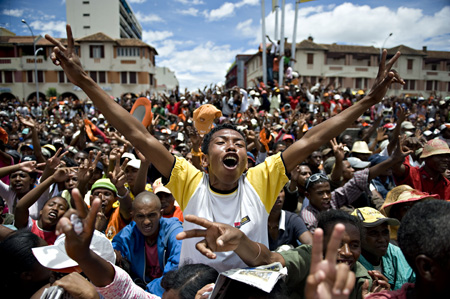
(196, 154)
(259, 253)
(123, 196)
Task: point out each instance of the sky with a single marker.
(199, 39)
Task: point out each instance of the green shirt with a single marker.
(298, 262)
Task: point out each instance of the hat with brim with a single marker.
(204, 117)
(435, 147)
(358, 163)
(104, 184)
(361, 147)
(404, 197)
(158, 186)
(136, 163)
(370, 217)
(55, 256)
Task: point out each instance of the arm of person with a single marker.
(21, 212)
(118, 178)
(117, 116)
(339, 154)
(29, 166)
(32, 125)
(371, 130)
(330, 128)
(394, 161)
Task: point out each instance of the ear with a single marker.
(26, 276)
(426, 268)
(205, 161)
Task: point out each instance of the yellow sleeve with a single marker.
(183, 181)
(268, 178)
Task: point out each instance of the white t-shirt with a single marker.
(247, 208)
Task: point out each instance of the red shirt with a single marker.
(175, 108)
(152, 269)
(176, 213)
(48, 236)
(419, 179)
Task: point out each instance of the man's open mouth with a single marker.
(230, 161)
(52, 215)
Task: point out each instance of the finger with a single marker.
(199, 221)
(334, 243)
(365, 288)
(79, 203)
(63, 220)
(193, 233)
(63, 154)
(124, 164)
(97, 158)
(203, 249)
(381, 66)
(317, 249)
(90, 219)
(58, 152)
(392, 60)
(40, 165)
(69, 38)
(55, 42)
(341, 278)
(312, 283)
(350, 284)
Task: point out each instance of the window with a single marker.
(40, 76)
(432, 85)
(96, 52)
(8, 77)
(410, 64)
(62, 77)
(133, 78)
(1, 77)
(86, 15)
(86, 27)
(310, 58)
(128, 51)
(123, 77)
(448, 86)
(434, 67)
(361, 83)
(313, 80)
(85, 2)
(102, 77)
(93, 76)
(410, 85)
(30, 77)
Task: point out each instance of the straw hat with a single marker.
(361, 147)
(407, 195)
(435, 147)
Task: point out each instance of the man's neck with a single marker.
(374, 260)
(274, 216)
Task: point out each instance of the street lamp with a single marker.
(382, 47)
(35, 61)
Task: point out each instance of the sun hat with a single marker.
(435, 147)
(204, 117)
(407, 195)
(357, 163)
(104, 183)
(361, 147)
(407, 125)
(55, 256)
(371, 217)
(158, 186)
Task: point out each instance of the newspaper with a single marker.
(262, 277)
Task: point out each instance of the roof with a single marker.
(405, 51)
(96, 37)
(438, 54)
(352, 49)
(309, 45)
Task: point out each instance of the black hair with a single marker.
(188, 279)
(207, 138)
(425, 230)
(237, 289)
(17, 258)
(328, 219)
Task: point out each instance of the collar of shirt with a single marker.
(282, 223)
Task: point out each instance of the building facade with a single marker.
(118, 65)
(425, 72)
(237, 72)
(166, 80)
(114, 18)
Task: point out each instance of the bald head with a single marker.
(146, 198)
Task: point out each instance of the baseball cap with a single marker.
(135, 163)
(251, 157)
(129, 156)
(158, 186)
(104, 183)
(357, 163)
(435, 147)
(371, 217)
(55, 256)
(204, 117)
(407, 125)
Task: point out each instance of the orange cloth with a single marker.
(3, 135)
(115, 224)
(177, 213)
(90, 127)
(264, 141)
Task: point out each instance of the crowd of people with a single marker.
(347, 190)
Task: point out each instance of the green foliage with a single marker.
(51, 92)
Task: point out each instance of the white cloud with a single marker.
(54, 28)
(227, 9)
(201, 65)
(13, 12)
(362, 25)
(144, 18)
(150, 37)
(246, 29)
(188, 12)
(193, 2)
(137, 1)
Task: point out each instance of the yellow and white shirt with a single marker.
(247, 208)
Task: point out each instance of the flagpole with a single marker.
(281, 61)
(294, 37)
(264, 50)
(277, 8)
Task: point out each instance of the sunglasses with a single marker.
(315, 177)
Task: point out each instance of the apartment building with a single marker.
(424, 71)
(115, 18)
(119, 66)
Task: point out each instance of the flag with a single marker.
(303, 1)
(274, 4)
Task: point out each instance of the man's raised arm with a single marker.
(117, 116)
(325, 131)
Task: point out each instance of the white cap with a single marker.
(135, 163)
(129, 156)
